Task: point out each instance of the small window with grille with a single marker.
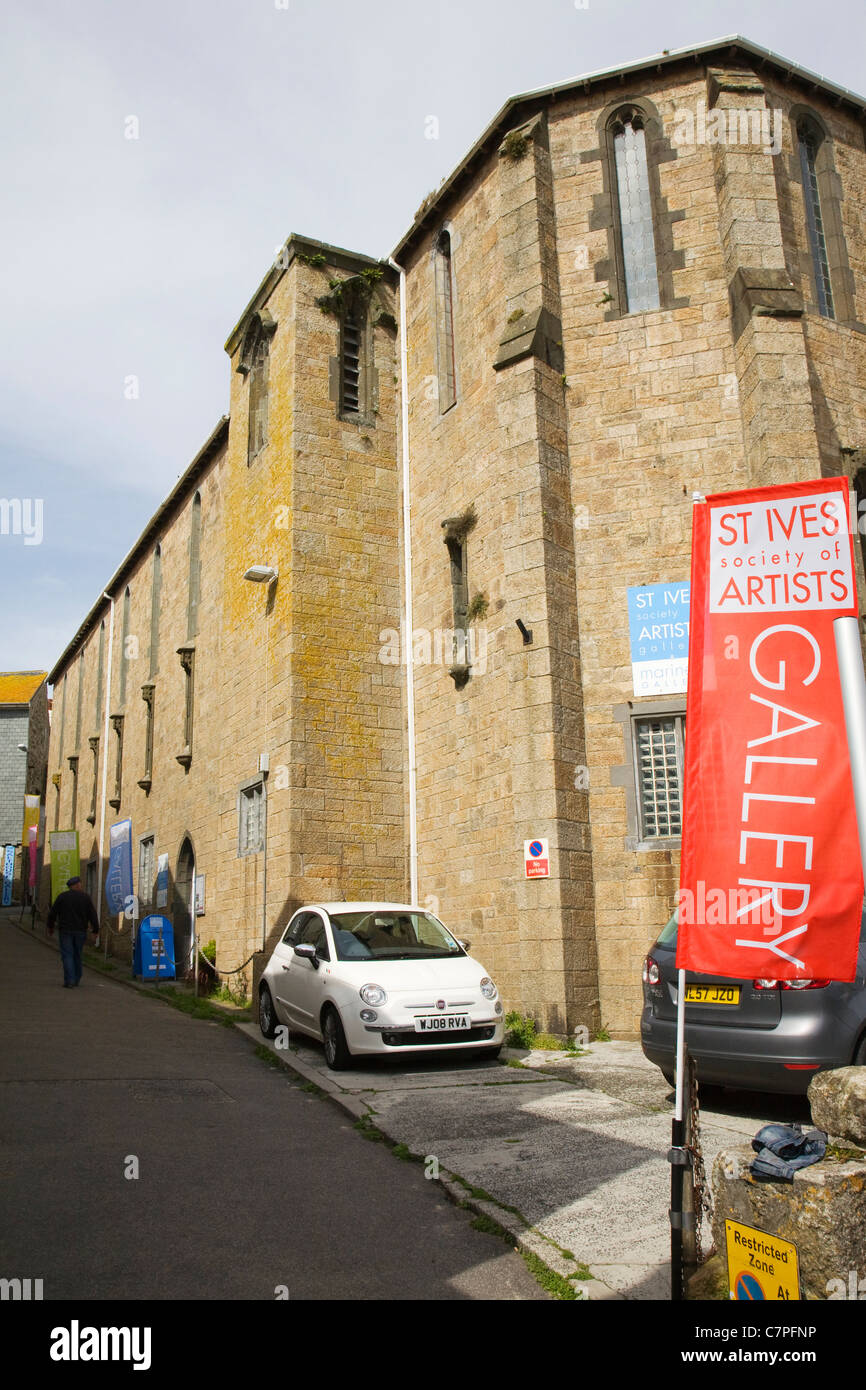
(658, 752)
(251, 819)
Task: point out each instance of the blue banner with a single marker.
(162, 881)
(8, 873)
(118, 880)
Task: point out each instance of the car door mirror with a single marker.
(306, 951)
(464, 944)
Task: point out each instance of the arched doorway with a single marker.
(181, 906)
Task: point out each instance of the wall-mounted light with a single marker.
(525, 632)
(261, 574)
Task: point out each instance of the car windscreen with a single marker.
(668, 937)
(388, 935)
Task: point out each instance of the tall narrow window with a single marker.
(94, 748)
(194, 567)
(809, 140)
(634, 198)
(156, 587)
(258, 426)
(459, 583)
(73, 767)
(62, 721)
(456, 529)
(147, 695)
(78, 701)
(445, 362)
(350, 361)
(100, 674)
(117, 726)
(458, 650)
(124, 645)
(187, 661)
(254, 362)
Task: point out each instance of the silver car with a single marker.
(760, 1035)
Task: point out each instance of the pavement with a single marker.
(565, 1153)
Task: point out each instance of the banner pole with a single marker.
(851, 677)
(677, 1156)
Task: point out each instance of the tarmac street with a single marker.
(249, 1180)
(247, 1186)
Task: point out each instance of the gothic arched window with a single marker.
(809, 141)
(255, 363)
(444, 288)
(635, 226)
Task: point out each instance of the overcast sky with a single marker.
(255, 118)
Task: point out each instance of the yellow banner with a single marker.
(31, 817)
(64, 858)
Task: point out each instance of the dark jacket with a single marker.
(72, 911)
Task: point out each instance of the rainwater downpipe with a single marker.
(407, 592)
(107, 698)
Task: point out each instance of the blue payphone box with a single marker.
(154, 950)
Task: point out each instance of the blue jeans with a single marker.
(71, 946)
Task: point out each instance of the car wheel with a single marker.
(267, 1013)
(337, 1054)
(860, 1054)
(489, 1054)
(669, 1078)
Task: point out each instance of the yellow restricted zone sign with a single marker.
(760, 1265)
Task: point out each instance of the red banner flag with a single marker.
(771, 883)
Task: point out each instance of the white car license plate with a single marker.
(442, 1023)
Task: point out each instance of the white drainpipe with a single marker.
(407, 587)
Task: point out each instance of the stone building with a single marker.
(24, 723)
(447, 469)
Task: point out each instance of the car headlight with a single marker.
(488, 988)
(373, 995)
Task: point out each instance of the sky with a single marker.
(155, 158)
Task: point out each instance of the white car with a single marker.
(373, 979)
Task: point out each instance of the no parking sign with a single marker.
(760, 1265)
(536, 857)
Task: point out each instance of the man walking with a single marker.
(72, 911)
